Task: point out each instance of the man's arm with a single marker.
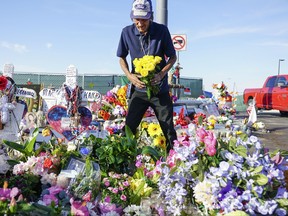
(132, 77)
(168, 66)
(159, 76)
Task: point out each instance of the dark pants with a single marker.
(163, 108)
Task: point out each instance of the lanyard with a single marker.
(142, 43)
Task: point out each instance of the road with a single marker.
(276, 134)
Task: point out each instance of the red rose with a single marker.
(3, 82)
(48, 163)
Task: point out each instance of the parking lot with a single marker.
(276, 134)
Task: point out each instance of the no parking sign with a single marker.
(179, 42)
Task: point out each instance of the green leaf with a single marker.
(14, 145)
(237, 213)
(152, 152)
(29, 148)
(149, 93)
(232, 144)
(282, 202)
(257, 169)
(241, 150)
(260, 179)
(200, 170)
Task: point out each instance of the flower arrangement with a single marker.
(114, 103)
(223, 176)
(221, 88)
(3, 83)
(12, 201)
(151, 134)
(147, 68)
(115, 189)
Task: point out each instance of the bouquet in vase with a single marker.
(147, 68)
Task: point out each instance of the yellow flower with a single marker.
(144, 125)
(146, 67)
(160, 141)
(140, 187)
(150, 66)
(158, 59)
(144, 72)
(238, 132)
(46, 132)
(154, 129)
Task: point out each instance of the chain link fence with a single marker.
(100, 83)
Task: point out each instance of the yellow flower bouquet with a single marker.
(147, 68)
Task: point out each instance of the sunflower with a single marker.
(160, 141)
(154, 129)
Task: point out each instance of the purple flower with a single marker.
(109, 207)
(85, 151)
(225, 190)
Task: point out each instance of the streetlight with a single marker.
(279, 65)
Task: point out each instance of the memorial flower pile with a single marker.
(147, 68)
(133, 175)
(223, 176)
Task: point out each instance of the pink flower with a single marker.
(123, 197)
(87, 196)
(210, 139)
(211, 150)
(14, 192)
(115, 190)
(49, 198)
(109, 94)
(278, 159)
(107, 183)
(201, 134)
(55, 190)
(77, 208)
(107, 199)
(176, 143)
(4, 193)
(126, 183)
(138, 164)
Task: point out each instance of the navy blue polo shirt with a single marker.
(156, 42)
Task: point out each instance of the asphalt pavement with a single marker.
(275, 134)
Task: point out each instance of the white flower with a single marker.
(71, 146)
(63, 181)
(203, 193)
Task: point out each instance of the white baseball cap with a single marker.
(141, 9)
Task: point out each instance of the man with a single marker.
(145, 37)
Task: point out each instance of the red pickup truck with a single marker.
(273, 94)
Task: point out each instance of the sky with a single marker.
(238, 42)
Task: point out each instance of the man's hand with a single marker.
(157, 79)
(134, 79)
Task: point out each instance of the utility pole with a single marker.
(162, 12)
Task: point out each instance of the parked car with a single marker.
(273, 94)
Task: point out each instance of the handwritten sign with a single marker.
(86, 95)
(25, 92)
